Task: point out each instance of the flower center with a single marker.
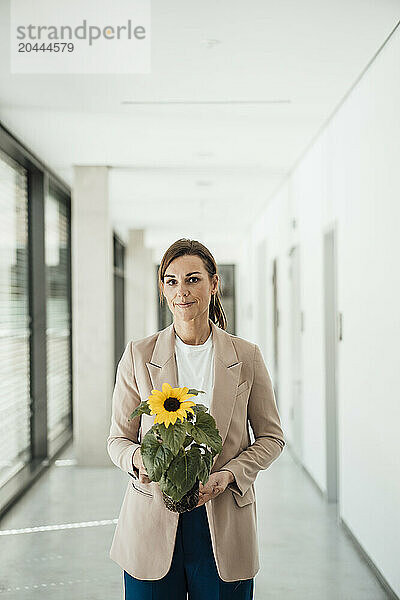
(171, 404)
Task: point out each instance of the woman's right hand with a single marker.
(138, 462)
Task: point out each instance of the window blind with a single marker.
(58, 334)
(14, 319)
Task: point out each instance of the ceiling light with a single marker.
(204, 154)
(208, 102)
(210, 43)
(203, 183)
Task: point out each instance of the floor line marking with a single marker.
(41, 528)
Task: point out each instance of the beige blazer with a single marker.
(144, 537)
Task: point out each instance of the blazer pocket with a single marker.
(248, 498)
(138, 489)
(242, 387)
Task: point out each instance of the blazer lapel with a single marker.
(162, 368)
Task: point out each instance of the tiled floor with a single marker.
(304, 554)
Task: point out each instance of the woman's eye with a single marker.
(172, 280)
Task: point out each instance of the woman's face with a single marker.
(187, 281)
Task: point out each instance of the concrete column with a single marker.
(140, 288)
(152, 295)
(92, 310)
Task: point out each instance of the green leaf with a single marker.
(195, 392)
(194, 455)
(188, 427)
(188, 440)
(173, 436)
(183, 471)
(197, 457)
(142, 408)
(203, 472)
(156, 456)
(208, 459)
(204, 431)
(214, 452)
(169, 488)
(199, 408)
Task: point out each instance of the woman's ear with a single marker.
(215, 288)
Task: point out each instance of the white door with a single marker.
(296, 413)
(330, 316)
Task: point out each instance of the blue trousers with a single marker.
(193, 570)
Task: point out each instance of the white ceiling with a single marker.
(216, 127)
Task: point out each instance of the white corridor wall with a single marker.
(349, 176)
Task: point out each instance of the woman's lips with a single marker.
(185, 305)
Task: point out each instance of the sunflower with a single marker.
(170, 404)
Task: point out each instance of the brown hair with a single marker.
(183, 247)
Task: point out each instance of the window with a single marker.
(58, 317)
(14, 320)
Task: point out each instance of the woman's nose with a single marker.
(182, 290)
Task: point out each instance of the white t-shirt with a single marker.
(195, 366)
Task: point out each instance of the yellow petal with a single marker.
(167, 389)
(187, 404)
(156, 406)
(155, 400)
(186, 396)
(182, 413)
(190, 410)
(157, 394)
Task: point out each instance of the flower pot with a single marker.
(187, 502)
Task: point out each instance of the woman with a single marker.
(212, 551)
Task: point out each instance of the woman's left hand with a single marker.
(215, 485)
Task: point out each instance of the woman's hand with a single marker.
(138, 463)
(216, 484)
